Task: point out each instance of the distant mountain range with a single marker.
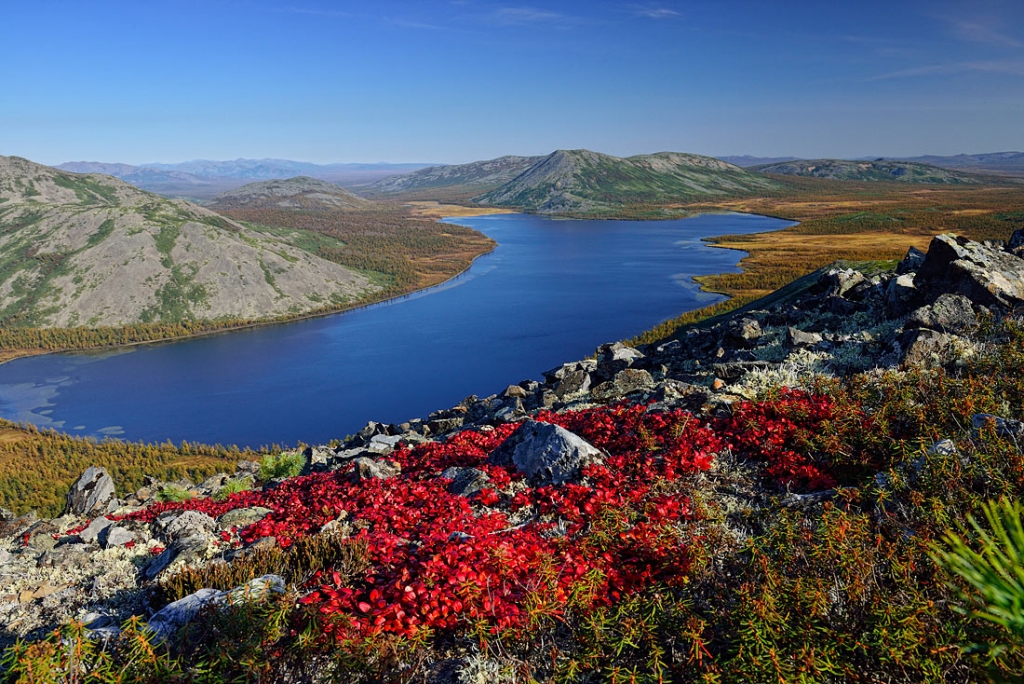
(92, 250)
(1000, 163)
(202, 179)
(300, 192)
(1003, 163)
(878, 170)
(480, 176)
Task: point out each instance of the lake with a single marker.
(552, 291)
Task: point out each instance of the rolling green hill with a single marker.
(581, 182)
(473, 178)
(878, 170)
(91, 250)
(301, 192)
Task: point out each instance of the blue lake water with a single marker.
(551, 292)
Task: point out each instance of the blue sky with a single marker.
(455, 81)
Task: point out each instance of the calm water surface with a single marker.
(551, 292)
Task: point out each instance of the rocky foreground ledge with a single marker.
(477, 515)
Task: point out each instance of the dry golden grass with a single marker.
(845, 220)
(8, 354)
(855, 221)
(438, 210)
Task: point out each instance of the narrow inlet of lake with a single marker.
(551, 292)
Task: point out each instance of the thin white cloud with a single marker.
(655, 12)
(316, 12)
(983, 32)
(406, 23)
(1011, 67)
(526, 15)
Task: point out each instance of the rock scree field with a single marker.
(771, 496)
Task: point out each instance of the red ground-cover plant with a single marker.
(787, 434)
(513, 552)
(438, 560)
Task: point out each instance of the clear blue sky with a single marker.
(458, 80)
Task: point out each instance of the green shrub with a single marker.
(231, 487)
(173, 493)
(284, 465)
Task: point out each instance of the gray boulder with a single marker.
(92, 494)
(168, 620)
(172, 617)
(439, 426)
(242, 517)
(91, 534)
(369, 469)
(115, 536)
(181, 551)
(1015, 245)
(318, 459)
(796, 338)
(838, 281)
(950, 313)
(465, 481)
(510, 410)
(1005, 427)
(625, 382)
(612, 358)
(743, 332)
(839, 306)
(555, 374)
(928, 348)
(190, 524)
(985, 275)
(546, 453)
(514, 391)
(573, 384)
(900, 294)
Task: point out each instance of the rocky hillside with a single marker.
(472, 177)
(760, 500)
(301, 192)
(1001, 163)
(91, 250)
(585, 182)
(877, 170)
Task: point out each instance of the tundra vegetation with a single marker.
(838, 531)
(816, 533)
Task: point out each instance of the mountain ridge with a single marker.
(591, 183)
(873, 170)
(300, 192)
(92, 250)
(479, 174)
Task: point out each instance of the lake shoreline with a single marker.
(21, 354)
(554, 291)
(254, 324)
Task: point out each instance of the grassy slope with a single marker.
(391, 245)
(37, 467)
